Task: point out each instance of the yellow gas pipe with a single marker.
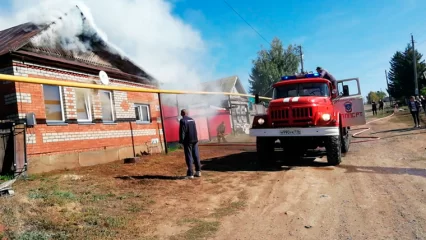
(5, 77)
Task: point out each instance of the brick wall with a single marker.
(71, 136)
(123, 105)
(70, 106)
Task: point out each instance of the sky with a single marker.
(189, 41)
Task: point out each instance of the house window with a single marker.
(107, 106)
(53, 103)
(82, 98)
(142, 113)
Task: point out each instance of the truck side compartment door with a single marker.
(349, 102)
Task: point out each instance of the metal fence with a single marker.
(13, 159)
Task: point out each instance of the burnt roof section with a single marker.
(18, 40)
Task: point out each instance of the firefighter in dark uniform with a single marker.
(221, 132)
(325, 74)
(188, 138)
(374, 108)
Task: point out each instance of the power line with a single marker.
(229, 5)
(416, 84)
(421, 42)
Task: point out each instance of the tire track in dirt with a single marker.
(368, 197)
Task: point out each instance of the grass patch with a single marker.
(100, 197)
(135, 208)
(200, 229)
(34, 235)
(174, 147)
(381, 114)
(115, 222)
(405, 117)
(230, 208)
(8, 215)
(6, 177)
(104, 206)
(51, 197)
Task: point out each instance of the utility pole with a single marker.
(387, 84)
(416, 84)
(301, 57)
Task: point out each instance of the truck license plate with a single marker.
(290, 132)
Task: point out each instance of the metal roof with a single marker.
(86, 57)
(224, 84)
(15, 37)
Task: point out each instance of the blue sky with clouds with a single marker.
(350, 38)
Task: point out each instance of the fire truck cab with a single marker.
(307, 112)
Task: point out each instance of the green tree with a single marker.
(401, 74)
(372, 97)
(381, 94)
(423, 91)
(271, 65)
(375, 96)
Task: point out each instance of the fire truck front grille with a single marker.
(280, 114)
(302, 113)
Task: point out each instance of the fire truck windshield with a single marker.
(301, 89)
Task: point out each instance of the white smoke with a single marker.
(145, 30)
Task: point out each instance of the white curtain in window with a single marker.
(83, 104)
(52, 103)
(106, 102)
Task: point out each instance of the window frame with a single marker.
(61, 100)
(111, 104)
(298, 88)
(139, 105)
(89, 111)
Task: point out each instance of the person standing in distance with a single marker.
(188, 138)
(374, 107)
(221, 132)
(415, 107)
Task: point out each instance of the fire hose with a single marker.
(355, 135)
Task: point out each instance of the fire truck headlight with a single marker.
(326, 117)
(260, 121)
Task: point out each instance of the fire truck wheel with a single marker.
(345, 140)
(265, 149)
(333, 147)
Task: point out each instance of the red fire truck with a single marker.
(307, 112)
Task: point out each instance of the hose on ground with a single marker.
(355, 135)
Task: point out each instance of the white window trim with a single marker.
(89, 110)
(139, 105)
(112, 106)
(60, 100)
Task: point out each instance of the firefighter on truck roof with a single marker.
(325, 74)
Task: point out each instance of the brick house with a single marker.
(75, 126)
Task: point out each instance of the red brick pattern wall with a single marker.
(75, 137)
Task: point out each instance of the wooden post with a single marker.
(162, 124)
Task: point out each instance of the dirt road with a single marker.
(378, 192)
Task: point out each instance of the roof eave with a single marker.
(64, 63)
